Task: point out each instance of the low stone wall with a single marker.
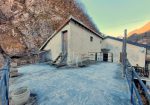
(1, 60)
(24, 60)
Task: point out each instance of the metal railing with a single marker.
(142, 72)
(4, 83)
(131, 74)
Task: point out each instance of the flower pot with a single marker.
(20, 96)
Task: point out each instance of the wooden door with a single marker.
(95, 56)
(64, 42)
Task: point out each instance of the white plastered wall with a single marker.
(80, 45)
(55, 44)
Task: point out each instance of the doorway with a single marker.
(64, 42)
(96, 57)
(105, 57)
(64, 45)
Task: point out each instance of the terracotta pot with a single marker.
(21, 95)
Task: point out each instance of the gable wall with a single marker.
(80, 44)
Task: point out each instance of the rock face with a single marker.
(26, 24)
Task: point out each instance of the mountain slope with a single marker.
(141, 35)
(141, 30)
(26, 24)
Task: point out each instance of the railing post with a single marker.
(5, 83)
(132, 81)
(7, 79)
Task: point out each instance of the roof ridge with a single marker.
(128, 41)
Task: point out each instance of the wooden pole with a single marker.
(124, 52)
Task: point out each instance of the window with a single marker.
(91, 38)
(100, 41)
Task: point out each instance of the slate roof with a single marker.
(129, 42)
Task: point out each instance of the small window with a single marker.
(91, 38)
(100, 41)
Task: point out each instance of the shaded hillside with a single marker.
(26, 24)
(143, 38)
(141, 35)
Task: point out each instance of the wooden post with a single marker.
(124, 53)
(132, 81)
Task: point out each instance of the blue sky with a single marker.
(113, 16)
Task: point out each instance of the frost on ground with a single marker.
(100, 84)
